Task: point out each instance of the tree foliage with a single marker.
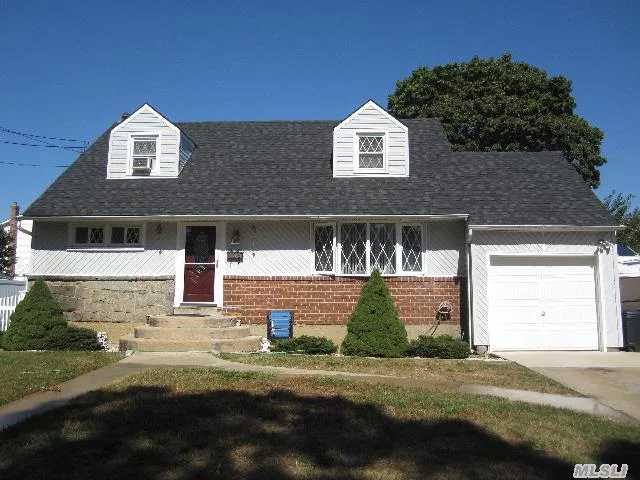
(374, 329)
(499, 105)
(6, 252)
(621, 208)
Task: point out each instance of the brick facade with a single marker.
(330, 300)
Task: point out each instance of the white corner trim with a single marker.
(371, 104)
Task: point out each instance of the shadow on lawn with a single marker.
(150, 432)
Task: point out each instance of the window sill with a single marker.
(105, 249)
(365, 275)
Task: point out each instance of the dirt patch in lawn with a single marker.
(114, 330)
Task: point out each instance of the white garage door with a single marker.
(542, 303)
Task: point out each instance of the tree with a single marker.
(374, 329)
(6, 251)
(620, 207)
(499, 105)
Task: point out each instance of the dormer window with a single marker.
(143, 153)
(371, 151)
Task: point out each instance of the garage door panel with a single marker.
(542, 303)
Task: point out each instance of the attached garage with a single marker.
(542, 302)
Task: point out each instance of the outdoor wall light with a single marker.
(235, 237)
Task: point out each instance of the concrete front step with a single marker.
(204, 334)
(244, 344)
(190, 321)
(195, 310)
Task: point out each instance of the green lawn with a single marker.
(498, 374)
(205, 423)
(23, 373)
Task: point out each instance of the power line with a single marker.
(42, 143)
(40, 136)
(45, 145)
(18, 164)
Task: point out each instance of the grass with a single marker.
(23, 373)
(206, 423)
(498, 374)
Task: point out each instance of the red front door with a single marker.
(199, 264)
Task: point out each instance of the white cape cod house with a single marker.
(257, 216)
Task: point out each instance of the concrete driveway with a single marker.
(613, 378)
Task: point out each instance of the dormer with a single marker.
(147, 145)
(370, 143)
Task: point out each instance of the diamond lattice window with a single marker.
(383, 247)
(353, 237)
(371, 151)
(144, 148)
(133, 235)
(411, 248)
(324, 248)
(96, 235)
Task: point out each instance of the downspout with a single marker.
(469, 289)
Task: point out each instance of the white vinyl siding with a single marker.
(370, 119)
(278, 248)
(52, 256)
(446, 251)
(485, 243)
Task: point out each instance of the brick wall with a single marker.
(330, 300)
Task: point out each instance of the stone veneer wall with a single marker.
(112, 299)
(329, 300)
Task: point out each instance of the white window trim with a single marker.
(313, 247)
(156, 165)
(356, 151)
(106, 245)
(337, 257)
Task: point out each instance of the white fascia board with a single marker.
(371, 103)
(203, 218)
(148, 108)
(534, 228)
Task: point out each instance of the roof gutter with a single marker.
(164, 218)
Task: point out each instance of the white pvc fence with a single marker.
(11, 292)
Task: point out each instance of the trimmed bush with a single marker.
(444, 346)
(37, 324)
(374, 329)
(306, 344)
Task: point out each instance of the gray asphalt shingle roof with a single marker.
(284, 168)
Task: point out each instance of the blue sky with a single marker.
(68, 69)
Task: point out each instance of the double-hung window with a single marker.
(89, 235)
(363, 247)
(144, 151)
(371, 150)
(107, 235)
(125, 235)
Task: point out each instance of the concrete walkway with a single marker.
(612, 378)
(37, 403)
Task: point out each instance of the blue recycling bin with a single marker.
(279, 324)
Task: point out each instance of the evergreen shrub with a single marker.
(444, 346)
(37, 324)
(306, 344)
(374, 329)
